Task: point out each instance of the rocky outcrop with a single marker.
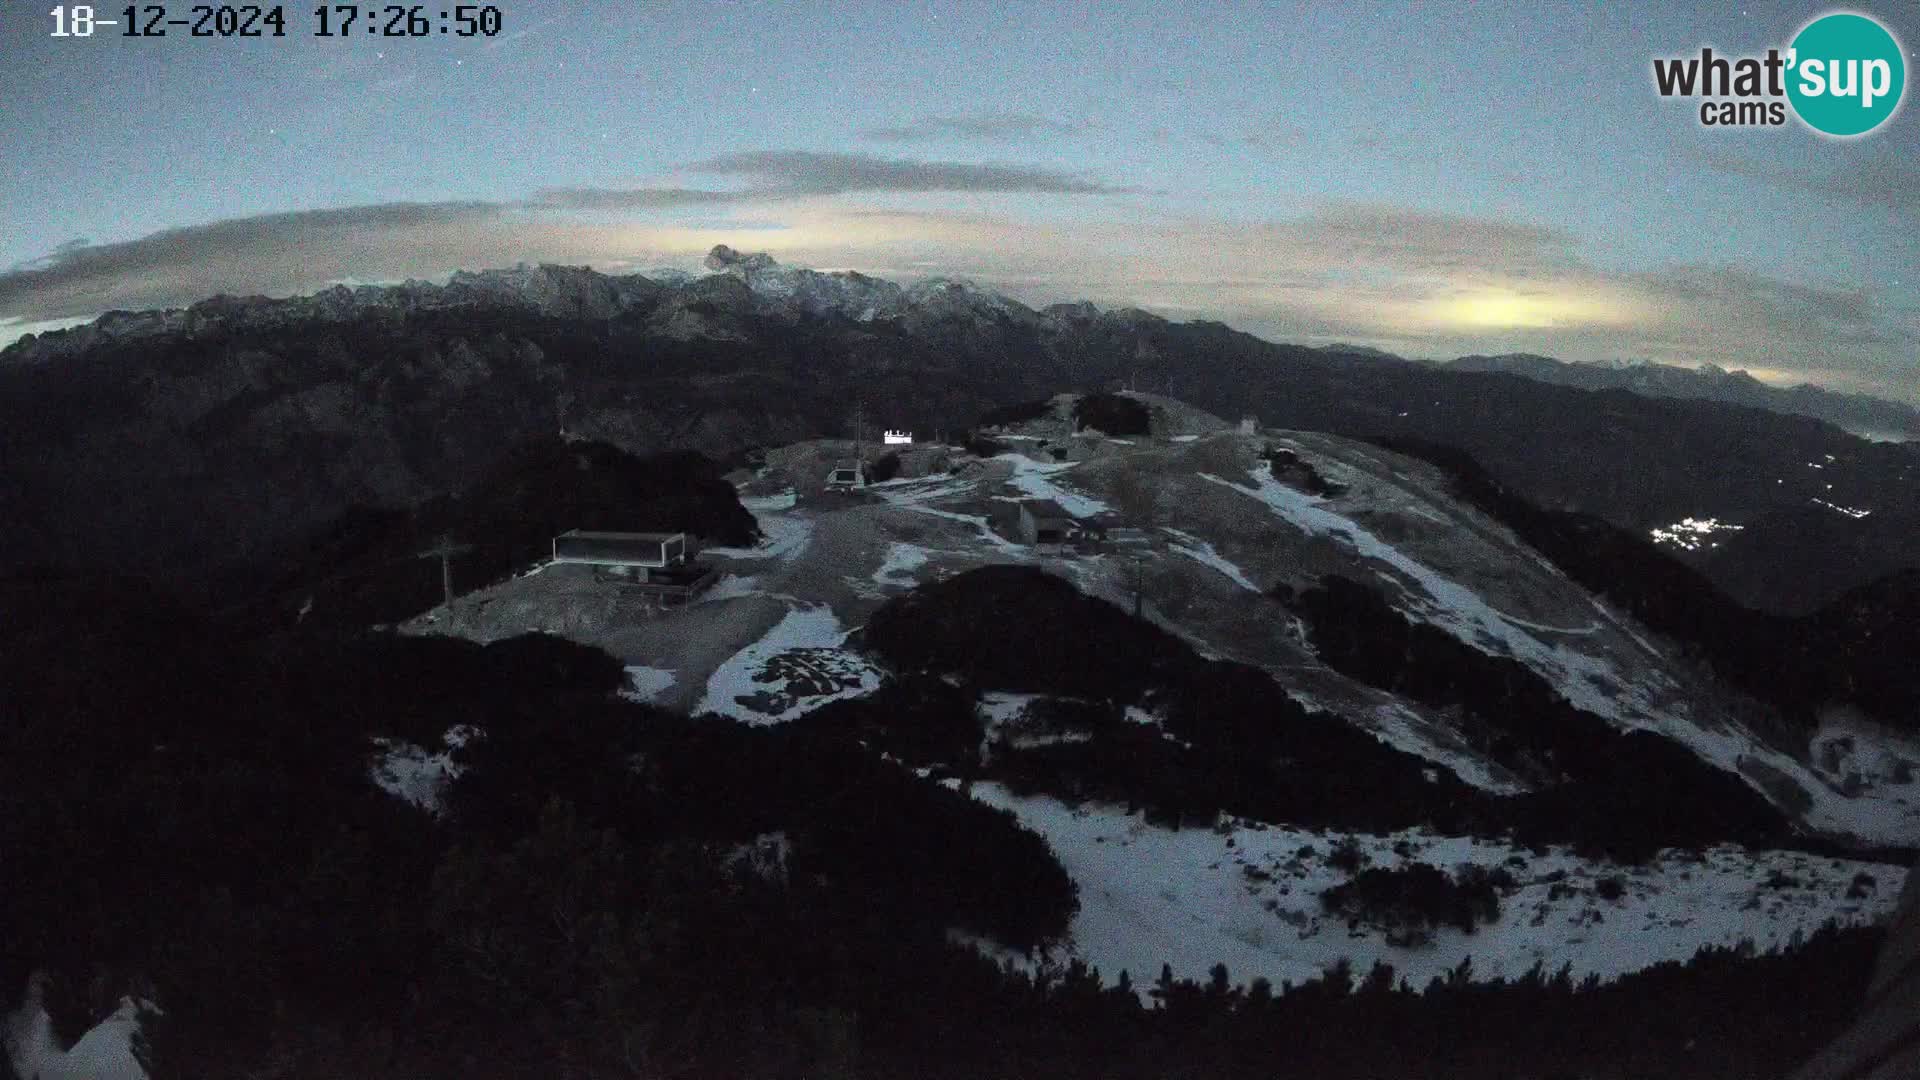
(852, 295)
(560, 292)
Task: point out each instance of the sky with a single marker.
(1433, 179)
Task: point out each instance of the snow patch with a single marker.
(799, 665)
(759, 504)
(1136, 715)
(1248, 896)
(1849, 756)
(1054, 738)
(1588, 682)
(1626, 627)
(999, 543)
(1009, 959)
(1869, 762)
(646, 683)
(731, 586)
(1035, 480)
(783, 537)
(897, 571)
(914, 490)
(105, 1052)
(411, 772)
(996, 710)
(1399, 728)
(1202, 552)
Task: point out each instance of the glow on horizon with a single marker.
(1507, 309)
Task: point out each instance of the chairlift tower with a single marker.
(860, 437)
(445, 549)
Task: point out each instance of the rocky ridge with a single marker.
(163, 441)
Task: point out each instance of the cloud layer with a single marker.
(1889, 185)
(273, 254)
(292, 252)
(1404, 279)
(995, 127)
(804, 172)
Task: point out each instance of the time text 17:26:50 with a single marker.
(252, 20)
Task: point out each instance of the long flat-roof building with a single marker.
(655, 565)
(638, 549)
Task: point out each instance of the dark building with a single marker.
(658, 566)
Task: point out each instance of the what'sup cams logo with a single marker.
(1843, 75)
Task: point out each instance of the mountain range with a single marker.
(177, 442)
(1386, 677)
(1861, 414)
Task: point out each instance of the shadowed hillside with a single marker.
(366, 566)
(161, 441)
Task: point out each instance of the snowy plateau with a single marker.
(779, 637)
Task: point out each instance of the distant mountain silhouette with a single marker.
(1861, 414)
(172, 442)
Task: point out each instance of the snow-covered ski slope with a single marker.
(1247, 895)
(1597, 660)
(778, 635)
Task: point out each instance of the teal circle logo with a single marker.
(1845, 74)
